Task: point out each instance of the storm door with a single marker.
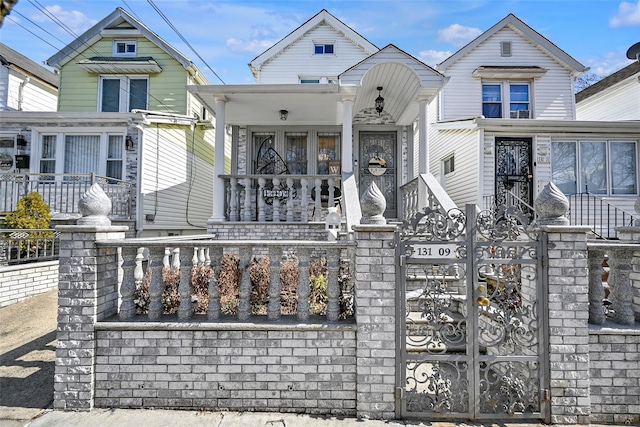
(378, 164)
(514, 173)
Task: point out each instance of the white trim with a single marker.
(125, 89)
(126, 43)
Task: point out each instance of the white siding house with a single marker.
(616, 97)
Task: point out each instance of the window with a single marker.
(296, 152)
(318, 80)
(448, 165)
(123, 93)
(78, 153)
(516, 98)
(597, 167)
(328, 153)
(325, 48)
(125, 48)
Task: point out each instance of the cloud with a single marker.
(608, 63)
(432, 57)
(458, 35)
(78, 22)
(254, 47)
(628, 15)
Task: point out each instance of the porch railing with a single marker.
(63, 191)
(424, 191)
(290, 198)
(33, 245)
(240, 279)
(602, 217)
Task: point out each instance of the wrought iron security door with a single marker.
(514, 176)
(378, 164)
(471, 318)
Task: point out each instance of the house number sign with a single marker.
(377, 166)
(279, 194)
(441, 251)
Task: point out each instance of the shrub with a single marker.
(31, 212)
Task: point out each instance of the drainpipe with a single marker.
(21, 91)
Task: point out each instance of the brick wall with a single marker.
(268, 231)
(614, 370)
(19, 282)
(300, 369)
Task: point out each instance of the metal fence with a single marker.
(23, 246)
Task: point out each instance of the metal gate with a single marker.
(472, 342)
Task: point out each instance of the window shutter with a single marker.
(505, 48)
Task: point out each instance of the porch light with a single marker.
(284, 114)
(379, 101)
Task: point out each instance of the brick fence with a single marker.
(20, 282)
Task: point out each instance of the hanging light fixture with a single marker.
(379, 101)
(284, 114)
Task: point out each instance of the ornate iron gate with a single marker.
(471, 336)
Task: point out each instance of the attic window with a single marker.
(505, 48)
(323, 48)
(125, 48)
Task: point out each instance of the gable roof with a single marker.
(113, 22)
(318, 19)
(528, 33)
(607, 82)
(13, 59)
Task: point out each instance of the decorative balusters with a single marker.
(276, 201)
(247, 200)
(317, 209)
(303, 284)
(596, 290)
(291, 191)
(273, 309)
(233, 200)
(332, 190)
(214, 310)
(621, 287)
(157, 259)
(261, 204)
(333, 288)
(244, 292)
(185, 310)
(128, 284)
(304, 199)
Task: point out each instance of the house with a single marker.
(25, 85)
(506, 121)
(124, 114)
(331, 113)
(616, 97)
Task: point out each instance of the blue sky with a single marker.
(229, 34)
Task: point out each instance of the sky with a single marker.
(222, 37)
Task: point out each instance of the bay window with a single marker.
(81, 153)
(597, 167)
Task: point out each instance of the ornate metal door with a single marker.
(471, 321)
(378, 164)
(514, 176)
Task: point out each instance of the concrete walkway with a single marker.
(27, 359)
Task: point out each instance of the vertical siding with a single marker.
(168, 93)
(552, 94)
(4, 88)
(177, 186)
(619, 102)
(298, 58)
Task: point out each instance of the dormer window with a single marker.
(323, 48)
(125, 48)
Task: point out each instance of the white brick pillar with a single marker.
(568, 309)
(375, 302)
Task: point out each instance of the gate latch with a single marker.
(399, 393)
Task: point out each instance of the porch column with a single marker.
(218, 165)
(347, 135)
(423, 160)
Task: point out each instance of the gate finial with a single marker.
(373, 205)
(551, 206)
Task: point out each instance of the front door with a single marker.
(514, 173)
(378, 164)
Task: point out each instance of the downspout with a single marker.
(21, 91)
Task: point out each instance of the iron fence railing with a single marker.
(32, 245)
(601, 216)
(62, 192)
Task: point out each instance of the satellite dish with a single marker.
(634, 51)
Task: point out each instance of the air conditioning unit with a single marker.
(521, 114)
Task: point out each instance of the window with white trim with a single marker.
(448, 164)
(81, 153)
(323, 49)
(318, 80)
(125, 47)
(121, 94)
(596, 167)
(506, 99)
